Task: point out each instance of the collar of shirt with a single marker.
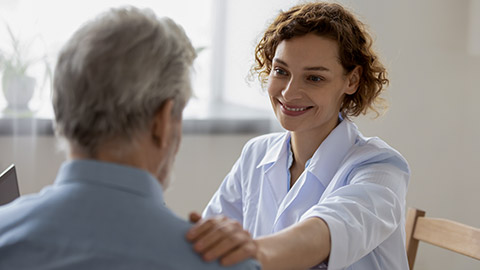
(111, 175)
(290, 162)
(327, 158)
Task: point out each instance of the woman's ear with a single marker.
(162, 124)
(353, 80)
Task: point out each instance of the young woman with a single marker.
(320, 194)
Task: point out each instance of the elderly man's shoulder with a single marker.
(151, 236)
(188, 259)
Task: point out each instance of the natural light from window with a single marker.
(226, 30)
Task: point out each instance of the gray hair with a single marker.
(115, 72)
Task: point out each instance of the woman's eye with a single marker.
(315, 78)
(279, 71)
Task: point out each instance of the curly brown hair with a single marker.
(355, 49)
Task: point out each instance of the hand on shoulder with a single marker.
(221, 238)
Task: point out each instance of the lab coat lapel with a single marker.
(303, 195)
(273, 188)
(310, 186)
(271, 195)
(276, 178)
(274, 165)
(329, 156)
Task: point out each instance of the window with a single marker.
(227, 30)
(44, 26)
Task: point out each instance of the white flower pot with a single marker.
(18, 91)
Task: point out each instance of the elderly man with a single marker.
(120, 86)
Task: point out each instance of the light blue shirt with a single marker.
(356, 184)
(97, 215)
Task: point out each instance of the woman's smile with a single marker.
(293, 110)
(307, 84)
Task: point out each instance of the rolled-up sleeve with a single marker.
(364, 212)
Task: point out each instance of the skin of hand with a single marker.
(221, 238)
(301, 246)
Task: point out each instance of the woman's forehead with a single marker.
(308, 51)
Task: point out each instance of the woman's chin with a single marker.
(292, 127)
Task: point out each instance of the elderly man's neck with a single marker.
(114, 151)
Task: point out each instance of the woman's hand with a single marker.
(300, 246)
(221, 238)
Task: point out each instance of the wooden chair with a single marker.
(443, 233)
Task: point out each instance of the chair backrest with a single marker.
(444, 233)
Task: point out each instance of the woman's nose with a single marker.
(292, 90)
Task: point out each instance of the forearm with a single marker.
(301, 246)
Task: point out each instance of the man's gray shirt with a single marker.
(97, 215)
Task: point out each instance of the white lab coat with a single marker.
(356, 184)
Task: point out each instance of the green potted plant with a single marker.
(17, 84)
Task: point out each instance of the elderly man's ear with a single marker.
(162, 124)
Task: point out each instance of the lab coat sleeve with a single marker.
(364, 212)
(227, 200)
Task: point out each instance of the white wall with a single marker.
(433, 118)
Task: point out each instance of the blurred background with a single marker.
(431, 48)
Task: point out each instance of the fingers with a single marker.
(221, 238)
(239, 254)
(201, 228)
(232, 250)
(194, 217)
